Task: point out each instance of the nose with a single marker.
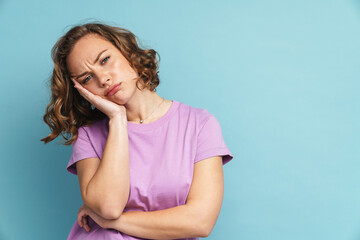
(104, 79)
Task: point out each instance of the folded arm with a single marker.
(98, 179)
(105, 184)
(194, 219)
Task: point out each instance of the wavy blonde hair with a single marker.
(68, 110)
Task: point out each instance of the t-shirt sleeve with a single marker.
(210, 142)
(82, 148)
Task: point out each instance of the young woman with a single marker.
(148, 167)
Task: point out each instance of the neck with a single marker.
(143, 105)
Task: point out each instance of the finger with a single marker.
(86, 224)
(74, 81)
(89, 96)
(83, 221)
(79, 217)
(83, 91)
(77, 85)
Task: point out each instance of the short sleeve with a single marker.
(210, 142)
(82, 148)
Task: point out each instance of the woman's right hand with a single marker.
(109, 108)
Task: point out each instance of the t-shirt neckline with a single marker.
(159, 122)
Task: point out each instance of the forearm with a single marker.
(108, 190)
(196, 218)
(177, 222)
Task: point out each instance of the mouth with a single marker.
(112, 89)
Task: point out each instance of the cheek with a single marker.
(117, 68)
(123, 70)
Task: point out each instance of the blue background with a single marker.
(282, 78)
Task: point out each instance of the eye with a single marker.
(86, 79)
(105, 60)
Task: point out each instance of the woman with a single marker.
(147, 167)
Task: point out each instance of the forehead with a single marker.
(86, 50)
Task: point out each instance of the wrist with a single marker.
(118, 120)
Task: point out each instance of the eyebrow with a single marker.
(97, 58)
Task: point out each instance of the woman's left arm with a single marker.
(194, 219)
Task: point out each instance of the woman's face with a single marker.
(102, 69)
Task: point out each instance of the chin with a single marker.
(118, 100)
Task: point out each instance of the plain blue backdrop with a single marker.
(282, 78)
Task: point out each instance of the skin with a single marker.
(111, 68)
(194, 219)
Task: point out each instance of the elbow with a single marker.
(201, 221)
(110, 214)
(205, 229)
(108, 208)
(111, 211)
(204, 223)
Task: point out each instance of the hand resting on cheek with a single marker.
(109, 108)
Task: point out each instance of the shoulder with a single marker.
(207, 133)
(197, 114)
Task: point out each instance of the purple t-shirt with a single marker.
(161, 160)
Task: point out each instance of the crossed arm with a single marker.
(105, 206)
(194, 219)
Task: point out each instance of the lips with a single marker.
(112, 89)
